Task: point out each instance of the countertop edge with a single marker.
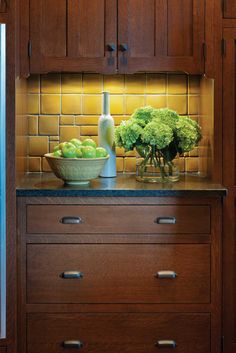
(120, 193)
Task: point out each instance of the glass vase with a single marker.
(151, 171)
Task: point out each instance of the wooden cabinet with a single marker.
(161, 35)
(229, 8)
(123, 282)
(72, 35)
(109, 36)
(229, 176)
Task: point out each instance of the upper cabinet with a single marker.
(163, 35)
(112, 36)
(73, 35)
(229, 8)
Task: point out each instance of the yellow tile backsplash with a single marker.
(156, 83)
(63, 106)
(71, 104)
(50, 104)
(50, 83)
(71, 83)
(48, 125)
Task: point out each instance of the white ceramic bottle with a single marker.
(106, 137)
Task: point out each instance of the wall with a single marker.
(63, 106)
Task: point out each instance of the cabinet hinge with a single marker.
(223, 47)
(222, 344)
(29, 48)
(204, 50)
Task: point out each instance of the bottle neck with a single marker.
(106, 103)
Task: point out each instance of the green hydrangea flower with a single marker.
(166, 116)
(143, 115)
(188, 134)
(127, 134)
(157, 134)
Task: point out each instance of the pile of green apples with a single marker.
(79, 149)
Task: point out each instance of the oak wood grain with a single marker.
(118, 273)
(118, 332)
(118, 219)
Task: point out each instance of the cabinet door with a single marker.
(229, 7)
(161, 35)
(73, 35)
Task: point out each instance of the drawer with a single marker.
(133, 219)
(118, 273)
(118, 332)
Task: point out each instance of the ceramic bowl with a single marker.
(76, 171)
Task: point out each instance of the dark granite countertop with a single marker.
(46, 184)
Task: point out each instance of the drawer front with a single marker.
(118, 219)
(118, 273)
(112, 332)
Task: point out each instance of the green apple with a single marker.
(69, 150)
(61, 145)
(101, 152)
(76, 142)
(57, 153)
(88, 152)
(89, 142)
(56, 148)
(79, 153)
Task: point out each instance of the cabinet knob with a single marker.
(166, 274)
(71, 220)
(72, 274)
(166, 220)
(123, 47)
(73, 344)
(166, 344)
(111, 47)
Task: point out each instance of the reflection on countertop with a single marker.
(124, 185)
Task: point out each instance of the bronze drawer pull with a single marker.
(166, 220)
(166, 274)
(72, 344)
(71, 220)
(72, 274)
(166, 344)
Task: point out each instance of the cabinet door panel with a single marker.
(180, 28)
(69, 35)
(53, 28)
(3, 6)
(170, 33)
(229, 8)
(85, 27)
(229, 108)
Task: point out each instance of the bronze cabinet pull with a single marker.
(166, 220)
(166, 344)
(73, 344)
(166, 274)
(71, 220)
(72, 274)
